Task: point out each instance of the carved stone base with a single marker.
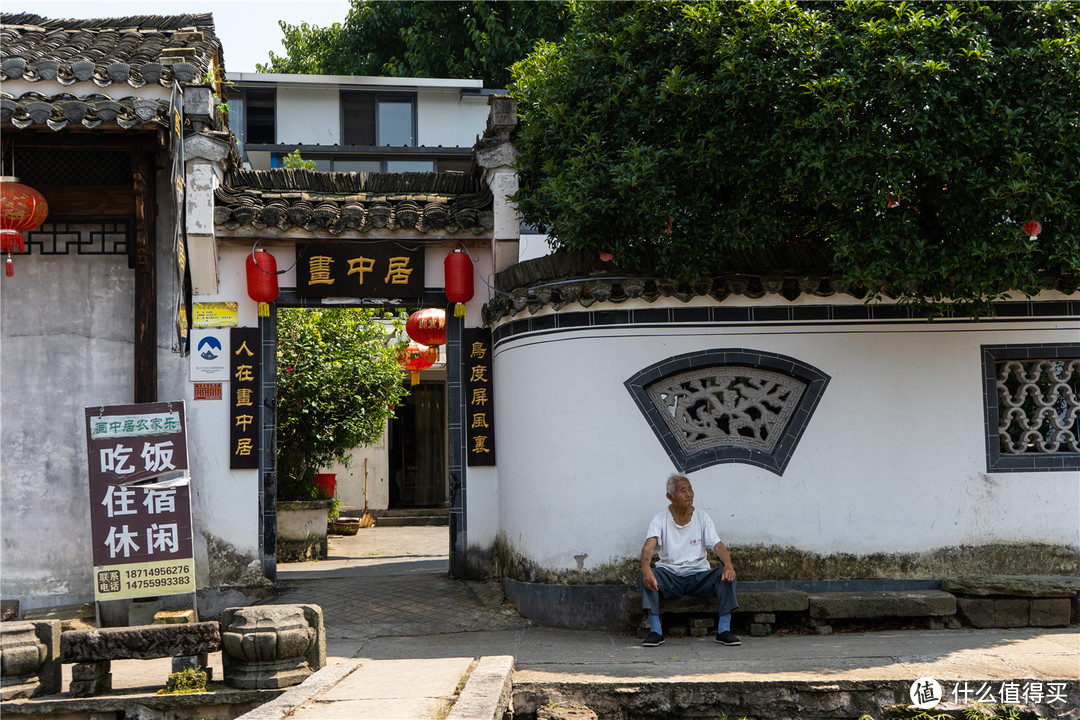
(90, 678)
(31, 659)
(271, 646)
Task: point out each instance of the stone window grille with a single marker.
(1032, 407)
(1039, 406)
(720, 406)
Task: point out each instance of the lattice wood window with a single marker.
(1039, 406)
(718, 406)
(1032, 400)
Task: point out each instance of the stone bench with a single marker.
(92, 651)
(760, 605)
(1007, 601)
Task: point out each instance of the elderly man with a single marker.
(682, 537)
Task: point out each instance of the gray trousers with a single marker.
(707, 583)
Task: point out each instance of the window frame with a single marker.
(775, 461)
(997, 461)
(397, 97)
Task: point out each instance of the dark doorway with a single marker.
(418, 443)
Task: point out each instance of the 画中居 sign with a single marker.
(140, 524)
(371, 270)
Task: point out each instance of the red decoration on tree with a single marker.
(427, 327)
(21, 208)
(262, 280)
(458, 272)
(892, 202)
(417, 357)
(1032, 228)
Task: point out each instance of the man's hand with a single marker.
(649, 579)
(728, 575)
(729, 572)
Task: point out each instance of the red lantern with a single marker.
(427, 327)
(21, 208)
(1032, 228)
(458, 272)
(417, 357)
(262, 280)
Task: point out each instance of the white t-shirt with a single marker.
(683, 549)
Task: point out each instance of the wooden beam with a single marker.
(145, 195)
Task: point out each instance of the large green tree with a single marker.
(461, 39)
(907, 143)
(338, 378)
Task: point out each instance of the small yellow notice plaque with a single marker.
(213, 314)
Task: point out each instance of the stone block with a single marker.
(764, 617)
(1011, 612)
(90, 678)
(881, 604)
(31, 659)
(677, 631)
(194, 662)
(760, 629)
(699, 632)
(174, 617)
(142, 612)
(1016, 585)
(272, 646)
(754, 601)
(1050, 612)
(9, 610)
(976, 612)
(141, 642)
(558, 711)
(699, 622)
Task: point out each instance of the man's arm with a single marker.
(729, 571)
(647, 576)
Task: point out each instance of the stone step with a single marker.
(881, 604)
(412, 517)
(1036, 586)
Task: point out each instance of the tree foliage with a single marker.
(462, 39)
(338, 378)
(909, 142)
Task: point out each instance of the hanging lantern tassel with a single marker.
(458, 272)
(9, 266)
(262, 280)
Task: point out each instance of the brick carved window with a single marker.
(1032, 397)
(721, 406)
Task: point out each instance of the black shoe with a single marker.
(653, 639)
(728, 638)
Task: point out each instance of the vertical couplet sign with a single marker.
(244, 391)
(141, 533)
(479, 398)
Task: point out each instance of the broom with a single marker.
(366, 521)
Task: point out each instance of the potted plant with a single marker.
(337, 379)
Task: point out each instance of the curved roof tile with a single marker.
(91, 111)
(137, 50)
(334, 202)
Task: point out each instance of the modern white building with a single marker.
(357, 124)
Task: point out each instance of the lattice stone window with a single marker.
(728, 406)
(1032, 407)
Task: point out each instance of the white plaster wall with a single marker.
(311, 116)
(351, 478)
(66, 329)
(445, 117)
(892, 461)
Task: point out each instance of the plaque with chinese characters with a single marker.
(140, 529)
(369, 270)
(479, 401)
(244, 395)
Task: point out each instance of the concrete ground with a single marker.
(402, 638)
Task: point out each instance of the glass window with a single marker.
(260, 117)
(364, 166)
(395, 123)
(400, 166)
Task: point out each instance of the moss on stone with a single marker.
(774, 562)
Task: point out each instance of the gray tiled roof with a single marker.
(60, 111)
(284, 199)
(138, 50)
